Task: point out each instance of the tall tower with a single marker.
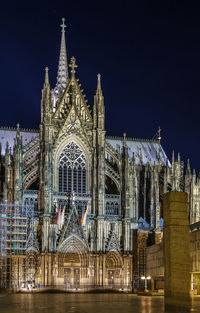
(47, 130)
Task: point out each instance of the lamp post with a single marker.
(145, 278)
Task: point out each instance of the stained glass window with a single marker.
(72, 169)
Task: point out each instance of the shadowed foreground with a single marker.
(84, 303)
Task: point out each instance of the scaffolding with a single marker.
(3, 252)
(16, 243)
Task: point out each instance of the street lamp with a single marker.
(145, 278)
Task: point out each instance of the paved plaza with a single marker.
(85, 303)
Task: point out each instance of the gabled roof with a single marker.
(150, 149)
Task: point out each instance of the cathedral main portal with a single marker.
(72, 270)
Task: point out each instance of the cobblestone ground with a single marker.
(84, 303)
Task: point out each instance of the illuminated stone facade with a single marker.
(120, 181)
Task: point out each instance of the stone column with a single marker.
(176, 252)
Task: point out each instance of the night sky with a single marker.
(148, 53)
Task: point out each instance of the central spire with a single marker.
(62, 75)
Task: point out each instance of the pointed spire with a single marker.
(188, 167)
(62, 76)
(46, 80)
(46, 101)
(99, 90)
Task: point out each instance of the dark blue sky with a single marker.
(148, 53)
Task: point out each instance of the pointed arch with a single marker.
(72, 244)
(114, 260)
(85, 158)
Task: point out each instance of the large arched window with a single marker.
(72, 169)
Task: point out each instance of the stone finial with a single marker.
(73, 66)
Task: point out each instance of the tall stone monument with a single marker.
(176, 252)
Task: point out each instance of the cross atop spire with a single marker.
(62, 76)
(73, 66)
(63, 25)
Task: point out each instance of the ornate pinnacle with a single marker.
(73, 65)
(18, 132)
(124, 139)
(159, 136)
(46, 81)
(188, 166)
(99, 81)
(63, 25)
(99, 91)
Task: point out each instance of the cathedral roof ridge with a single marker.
(11, 128)
(133, 139)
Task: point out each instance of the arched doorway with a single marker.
(114, 270)
(73, 263)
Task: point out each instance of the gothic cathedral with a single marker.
(78, 207)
